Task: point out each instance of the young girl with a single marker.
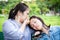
(46, 32)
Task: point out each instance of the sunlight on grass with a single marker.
(53, 20)
(2, 19)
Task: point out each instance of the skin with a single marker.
(37, 25)
(22, 18)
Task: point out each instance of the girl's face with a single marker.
(24, 15)
(36, 24)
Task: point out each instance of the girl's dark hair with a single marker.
(40, 20)
(19, 7)
(44, 25)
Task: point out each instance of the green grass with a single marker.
(53, 20)
(2, 19)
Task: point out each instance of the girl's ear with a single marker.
(19, 13)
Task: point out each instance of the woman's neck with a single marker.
(45, 31)
(18, 20)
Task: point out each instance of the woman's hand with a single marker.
(37, 32)
(26, 21)
(23, 26)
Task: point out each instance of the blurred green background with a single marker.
(48, 10)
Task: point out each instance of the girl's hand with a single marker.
(36, 33)
(26, 21)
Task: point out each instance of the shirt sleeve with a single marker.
(10, 30)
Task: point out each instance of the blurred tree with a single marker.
(2, 5)
(34, 10)
(48, 5)
(8, 5)
(42, 4)
(54, 5)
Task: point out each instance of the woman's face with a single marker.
(36, 24)
(24, 15)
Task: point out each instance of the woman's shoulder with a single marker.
(43, 37)
(7, 22)
(55, 32)
(54, 29)
(55, 26)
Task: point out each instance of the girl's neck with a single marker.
(45, 30)
(18, 20)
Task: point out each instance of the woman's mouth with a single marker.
(35, 27)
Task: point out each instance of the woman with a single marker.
(46, 32)
(15, 28)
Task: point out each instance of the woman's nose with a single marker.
(33, 24)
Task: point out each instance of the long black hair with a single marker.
(41, 21)
(19, 7)
(44, 25)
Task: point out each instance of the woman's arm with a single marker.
(10, 30)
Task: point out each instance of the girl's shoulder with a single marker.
(6, 22)
(55, 32)
(54, 29)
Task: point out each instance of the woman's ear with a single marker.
(19, 13)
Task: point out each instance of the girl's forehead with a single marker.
(33, 18)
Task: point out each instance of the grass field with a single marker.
(2, 19)
(53, 20)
